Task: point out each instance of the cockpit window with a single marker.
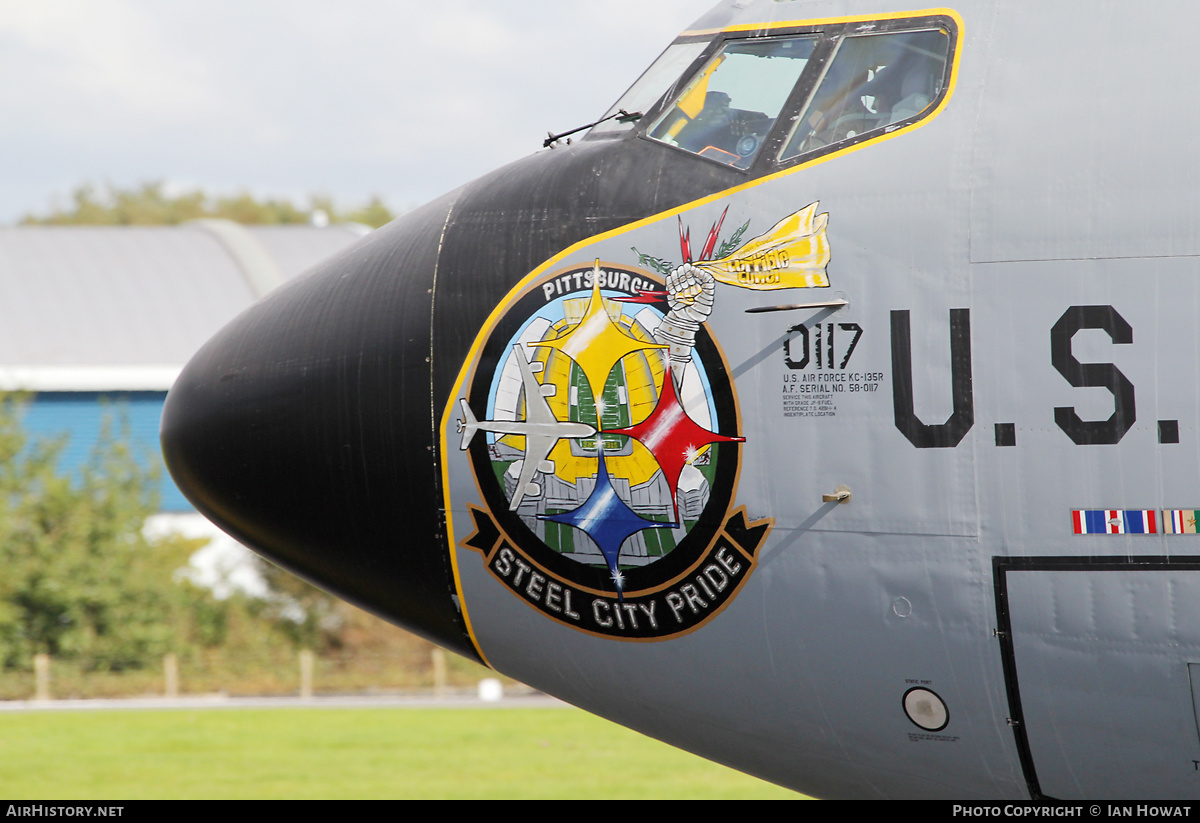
(728, 109)
(652, 85)
(873, 81)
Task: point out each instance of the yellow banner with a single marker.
(792, 255)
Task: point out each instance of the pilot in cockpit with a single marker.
(903, 88)
(877, 82)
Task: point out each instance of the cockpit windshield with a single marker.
(873, 81)
(728, 109)
(791, 96)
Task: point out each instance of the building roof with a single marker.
(123, 308)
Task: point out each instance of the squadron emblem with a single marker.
(601, 426)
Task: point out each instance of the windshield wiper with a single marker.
(621, 116)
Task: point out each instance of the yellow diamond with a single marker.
(596, 344)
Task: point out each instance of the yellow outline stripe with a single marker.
(490, 324)
(827, 21)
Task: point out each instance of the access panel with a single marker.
(1097, 655)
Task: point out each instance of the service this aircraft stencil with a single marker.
(830, 408)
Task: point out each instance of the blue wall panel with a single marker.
(79, 415)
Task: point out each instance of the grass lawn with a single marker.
(349, 753)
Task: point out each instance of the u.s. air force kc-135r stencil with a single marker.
(600, 423)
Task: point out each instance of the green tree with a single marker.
(308, 616)
(373, 214)
(149, 205)
(81, 581)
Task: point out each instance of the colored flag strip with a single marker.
(1135, 521)
(1122, 521)
(1180, 521)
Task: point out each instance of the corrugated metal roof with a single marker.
(294, 249)
(116, 298)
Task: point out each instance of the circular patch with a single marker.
(602, 430)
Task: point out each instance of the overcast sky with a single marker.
(401, 98)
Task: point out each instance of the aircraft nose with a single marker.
(304, 429)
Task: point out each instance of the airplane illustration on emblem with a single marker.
(541, 429)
